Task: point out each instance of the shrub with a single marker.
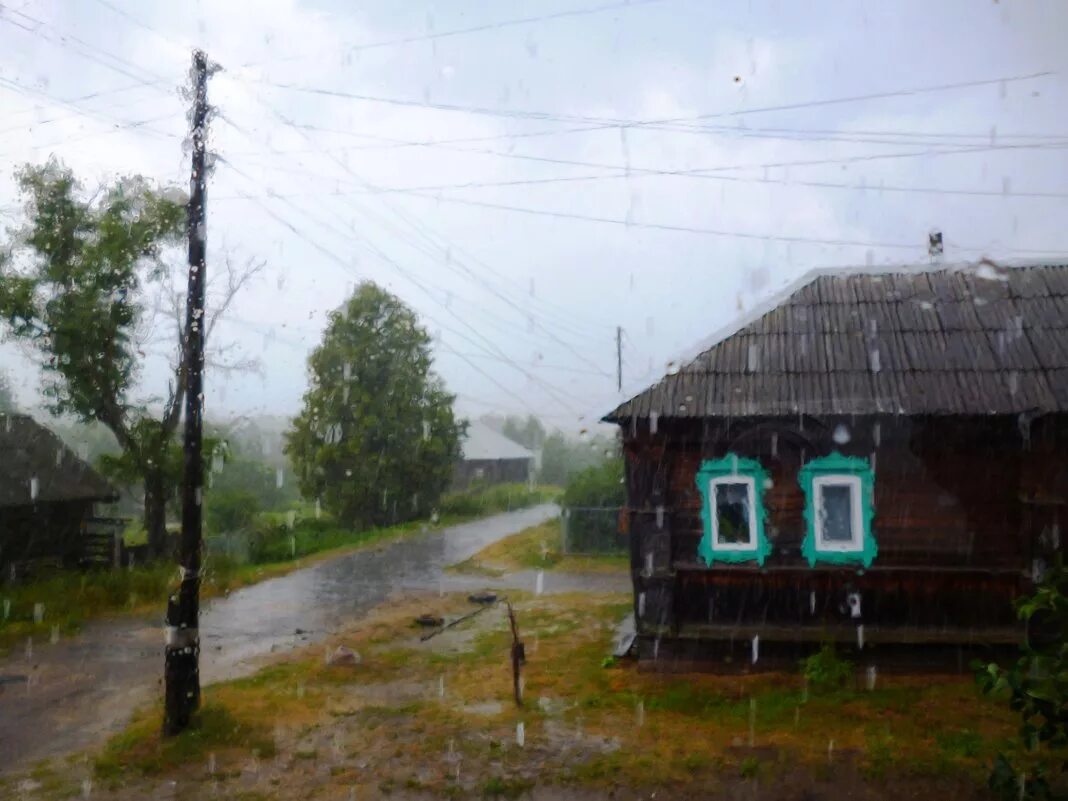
(825, 670)
(230, 510)
(1037, 689)
(592, 497)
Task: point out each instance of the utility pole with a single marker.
(619, 358)
(182, 654)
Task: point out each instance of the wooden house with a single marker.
(47, 496)
(489, 457)
(876, 459)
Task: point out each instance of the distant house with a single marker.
(46, 495)
(491, 458)
(878, 460)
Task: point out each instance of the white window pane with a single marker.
(732, 513)
(837, 513)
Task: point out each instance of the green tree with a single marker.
(81, 284)
(1037, 690)
(376, 439)
(529, 433)
(230, 510)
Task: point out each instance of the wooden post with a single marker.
(518, 656)
(182, 654)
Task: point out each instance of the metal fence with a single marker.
(592, 530)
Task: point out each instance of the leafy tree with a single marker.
(1037, 689)
(76, 285)
(529, 433)
(7, 395)
(561, 457)
(376, 439)
(230, 510)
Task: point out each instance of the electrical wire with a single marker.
(427, 37)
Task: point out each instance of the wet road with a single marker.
(85, 687)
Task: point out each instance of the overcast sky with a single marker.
(529, 175)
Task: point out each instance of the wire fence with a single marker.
(592, 530)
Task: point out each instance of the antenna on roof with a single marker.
(935, 247)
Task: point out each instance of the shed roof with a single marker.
(978, 339)
(30, 451)
(482, 442)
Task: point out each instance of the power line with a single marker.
(697, 230)
(861, 187)
(626, 170)
(422, 231)
(625, 4)
(118, 124)
(84, 49)
(602, 122)
(549, 389)
(733, 132)
(803, 240)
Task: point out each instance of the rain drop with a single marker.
(841, 434)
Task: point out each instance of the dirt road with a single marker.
(64, 697)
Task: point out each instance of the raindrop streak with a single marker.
(520, 734)
(211, 764)
(87, 788)
(756, 648)
(7, 608)
(871, 675)
(38, 612)
(654, 422)
(55, 635)
(539, 583)
(841, 434)
(660, 517)
(812, 602)
(641, 712)
(279, 478)
(830, 750)
(441, 686)
(33, 488)
(860, 637)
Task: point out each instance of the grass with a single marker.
(387, 719)
(537, 548)
(215, 732)
(71, 598)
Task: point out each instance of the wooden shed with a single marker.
(489, 457)
(875, 459)
(47, 496)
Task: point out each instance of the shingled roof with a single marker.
(36, 467)
(963, 340)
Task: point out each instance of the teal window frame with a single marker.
(838, 470)
(728, 467)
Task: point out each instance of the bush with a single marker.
(495, 498)
(1037, 690)
(598, 486)
(231, 510)
(825, 670)
(591, 498)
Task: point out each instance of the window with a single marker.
(732, 518)
(732, 493)
(838, 510)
